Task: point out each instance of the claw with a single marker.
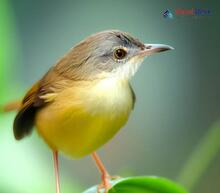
(106, 178)
(106, 185)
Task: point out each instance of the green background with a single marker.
(178, 95)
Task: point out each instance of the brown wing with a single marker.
(36, 98)
(41, 93)
(58, 77)
(24, 119)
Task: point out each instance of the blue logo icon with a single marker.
(168, 14)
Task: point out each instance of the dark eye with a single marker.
(120, 53)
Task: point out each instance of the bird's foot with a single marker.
(106, 184)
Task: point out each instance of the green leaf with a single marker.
(142, 184)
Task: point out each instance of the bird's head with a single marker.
(110, 53)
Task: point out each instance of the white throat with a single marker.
(127, 70)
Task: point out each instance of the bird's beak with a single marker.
(154, 48)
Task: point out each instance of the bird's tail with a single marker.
(11, 106)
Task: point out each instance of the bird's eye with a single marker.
(120, 53)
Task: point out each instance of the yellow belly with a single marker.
(83, 118)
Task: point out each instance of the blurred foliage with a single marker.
(5, 29)
(201, 157)
(142, 184)
(8, 51)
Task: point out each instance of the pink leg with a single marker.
(105, 175)
(56, 170)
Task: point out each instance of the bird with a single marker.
(85, 98)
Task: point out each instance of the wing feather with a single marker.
(41, 93)
(24, 119)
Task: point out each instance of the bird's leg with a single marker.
(105, 175)
(56, 170)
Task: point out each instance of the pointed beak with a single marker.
(154, 48)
